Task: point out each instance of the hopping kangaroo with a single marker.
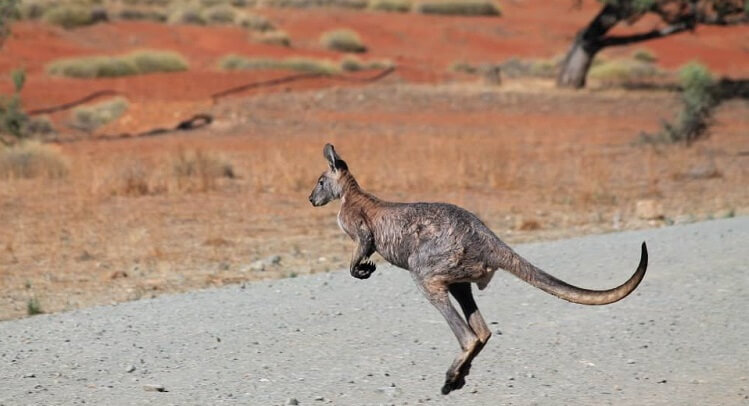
(446, 248)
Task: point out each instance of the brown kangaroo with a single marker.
(446, 248)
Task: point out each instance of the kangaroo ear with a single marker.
(334, 161)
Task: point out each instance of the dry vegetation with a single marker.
(133, 218)
(133, 63)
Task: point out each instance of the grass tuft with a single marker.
(72, 16)
(134, 63)
(33, 307)
(622, 70)
(391, 6)
(91, 117)
(28, 160)
(342, 40)
(276, 37)
(464, 8)
(309, 65)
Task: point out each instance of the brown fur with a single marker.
(445, 248)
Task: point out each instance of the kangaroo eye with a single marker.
(321, 182)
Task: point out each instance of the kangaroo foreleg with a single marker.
(359, 267)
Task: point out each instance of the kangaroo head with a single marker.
(329, 186)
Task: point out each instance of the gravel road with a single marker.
(681, 338)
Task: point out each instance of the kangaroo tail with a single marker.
(528, 272)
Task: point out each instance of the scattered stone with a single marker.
(154, 388)
(630, 361)
(118, 275)
(30, 375)
(649, 209)
(319, 398)
(530, 375)
(291, 401)
(130, 368)
(262, 264)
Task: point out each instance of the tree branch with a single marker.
(629, 39)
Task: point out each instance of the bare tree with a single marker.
(677, 16)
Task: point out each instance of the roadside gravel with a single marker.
(681, 338)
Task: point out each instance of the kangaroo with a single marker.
(445, 248)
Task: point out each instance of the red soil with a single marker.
(423, 47)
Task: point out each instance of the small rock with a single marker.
(154, 388)
(649, 209)
(130, 368)
(530, 375)
(292, 401)
(118, 275)
(630, 361)
(30, 375)
(319, 398)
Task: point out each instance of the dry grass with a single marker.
(299, 64)
(31, 160)
(275, 37)
(392, 6)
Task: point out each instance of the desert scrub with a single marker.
(91, 117)
(699, 99)
(33, 307)
(308, 65)
(138, 14)
(342, 40)
(134, 63)
(32, 159)
(72, 16)
(13, 119)
(186, 14)
(352, 4)
(219, 14)
(516, 67)
(464, 8)
(392, 6)
(276, 37)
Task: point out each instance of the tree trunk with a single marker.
(576, 64)
(587, 43)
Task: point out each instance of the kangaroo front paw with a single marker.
(363, 270)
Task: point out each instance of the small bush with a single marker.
(277, 37)
(41, 125)
(72, 16)
(699, 98)
(392, 6)
(309, 65)
(30, 160)
(13, 120)
(342, 40)
(33, 307)
(352, 4)
(134, 63)
(32, 9)
(516, 67)
(464, 67)
(644, 55)
(464, 8)
(89, 118)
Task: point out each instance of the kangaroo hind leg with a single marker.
(436, 291)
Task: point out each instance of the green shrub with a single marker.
(134, 63)
(32, 159)
(13, 120)
(89, 118)
(276, 37)
(342, 40)
(465, 8)
(392, 6)
(699, 99)
(33, 307)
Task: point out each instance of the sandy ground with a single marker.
(331, 339)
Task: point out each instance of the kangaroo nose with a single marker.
(311, 201)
